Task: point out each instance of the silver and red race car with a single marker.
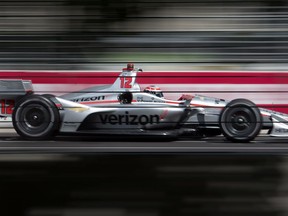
(123, 109)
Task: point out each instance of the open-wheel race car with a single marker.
(123, 109)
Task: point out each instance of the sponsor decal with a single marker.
(152, 99)
(140, 99)
(93, 98)
(7, 106)
(281, 130)
(70, 125)
(129, 119)
(3, 117)
(125, 82)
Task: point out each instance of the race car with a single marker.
(123, 109)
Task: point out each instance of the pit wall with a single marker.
(267, 89)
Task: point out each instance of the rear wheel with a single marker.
(240, 120)
(36, 117)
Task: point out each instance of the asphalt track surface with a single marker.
(81, 176)
(10, 142)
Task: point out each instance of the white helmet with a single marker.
(155, 90)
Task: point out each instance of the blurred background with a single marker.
(159, 35)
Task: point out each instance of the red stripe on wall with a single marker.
(151, 77)
(275, 107)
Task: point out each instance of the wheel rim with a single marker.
(35, 118)
(240, 121)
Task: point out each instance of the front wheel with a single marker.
(240, 120)
(36, 117)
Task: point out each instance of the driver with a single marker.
(155, 90)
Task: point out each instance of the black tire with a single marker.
(36, 117)
(48, 95)
(240, 120)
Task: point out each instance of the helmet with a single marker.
(155, 90)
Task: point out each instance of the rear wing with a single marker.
(15, 87)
